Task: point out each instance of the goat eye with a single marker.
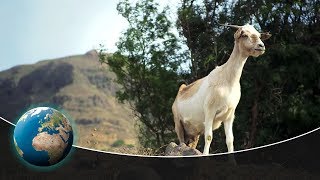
(244, 35)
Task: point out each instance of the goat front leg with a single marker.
(209, 117)
(228, 123)
(229, 137)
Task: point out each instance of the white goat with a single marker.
(202, 106)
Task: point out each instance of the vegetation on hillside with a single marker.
(280, 90)
(146, 65)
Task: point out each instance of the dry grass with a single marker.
(135, 151)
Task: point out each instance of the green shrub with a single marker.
(118, 143)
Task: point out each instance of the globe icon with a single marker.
(43, 136)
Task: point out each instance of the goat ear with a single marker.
(265, 36)
(238, 34)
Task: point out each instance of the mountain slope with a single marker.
(80, 86)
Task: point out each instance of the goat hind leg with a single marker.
(178, 124)
(179, 130)
(194, 142)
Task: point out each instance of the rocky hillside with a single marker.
(80, 86)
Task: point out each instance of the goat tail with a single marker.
(182, 87)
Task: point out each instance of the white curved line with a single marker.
(217, 154)
(272, 144)
(7, 121)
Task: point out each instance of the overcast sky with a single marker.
(34, 30)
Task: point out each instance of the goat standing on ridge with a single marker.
(202, 106)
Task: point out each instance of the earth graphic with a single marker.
(43, 136)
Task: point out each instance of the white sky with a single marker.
(35, 30)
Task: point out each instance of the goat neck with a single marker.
(234, 66)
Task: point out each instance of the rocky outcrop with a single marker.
(92, 52)
(180, 150)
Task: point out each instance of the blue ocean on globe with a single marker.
(43, 136)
